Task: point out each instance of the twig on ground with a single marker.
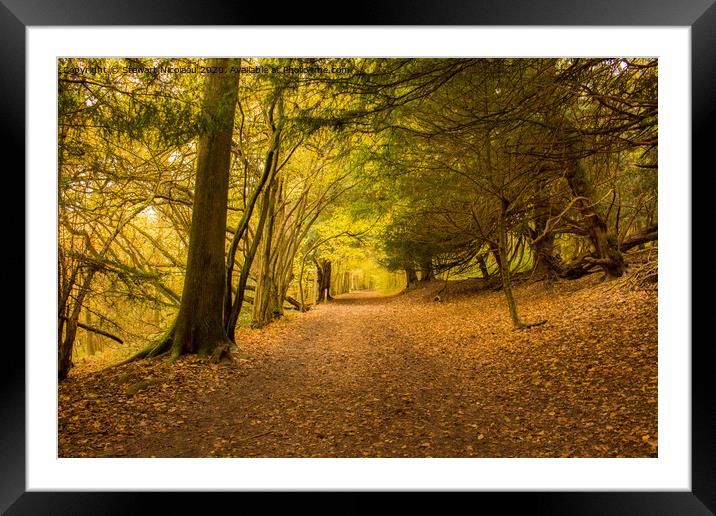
(250, 438)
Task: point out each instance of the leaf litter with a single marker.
(401, 376)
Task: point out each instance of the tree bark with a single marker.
(265, 284)
(294, 302)
(605, 246)
(495, 251)
(198, 328)
(246, 268)
(346, 282)
(243, 279)
(64, 355)
(411, 277)
(426, 270)
(546, 265)
(483, 267)
(323, 268)
(66, 342)
(89, 347)
(505, 271)
(269, 167)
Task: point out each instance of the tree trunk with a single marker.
(198, 328)
(505, 271)
(605, 246)
(246, 269)
(483, 267)
(66, 343)
(336, 281)
(495, 251)
(301, 293)
(648, 234)
(346, 282)
(326, 287)
(323, 269)
(426, 270)
(265, 285)
(90, 341)
(269, 168)
(316, 282)
(64, 354)
(411, 277)
(546, 265)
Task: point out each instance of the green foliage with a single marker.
(385, 165)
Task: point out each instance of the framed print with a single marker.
(626, 62)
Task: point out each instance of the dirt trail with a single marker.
(371, 376)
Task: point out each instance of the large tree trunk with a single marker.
(426, 270)
(198, 328)
(546, 265)
(608, 255)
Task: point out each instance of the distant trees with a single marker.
(310, 182)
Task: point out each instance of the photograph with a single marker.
(357, 257)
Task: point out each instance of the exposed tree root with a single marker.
(644, 273)
(163, 346)
(153, 350)
(525, 326)
(538, 323)
(221, 351)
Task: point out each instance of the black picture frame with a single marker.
(17, 15)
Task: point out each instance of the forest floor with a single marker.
(395, 376)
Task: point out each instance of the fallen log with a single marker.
(293, 302)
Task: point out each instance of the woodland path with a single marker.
(401, 376)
